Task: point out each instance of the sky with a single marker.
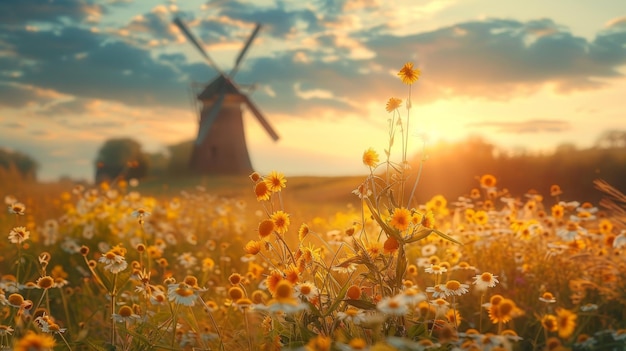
(528, 75)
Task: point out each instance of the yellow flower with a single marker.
(303, 231)
(281, 221)
(408, 74)
(549, 323)
(252, 247)
(266, 227)
(566, 322)
(275, 181)
(488, 181)
(393, 104)
(261, 191)
(35, 342)
(391, 245)
(370, 158)
(319, 343)
(401, 218)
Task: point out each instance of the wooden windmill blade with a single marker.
(181, 25)
(244, 50)
(260, 118)
(207, 122)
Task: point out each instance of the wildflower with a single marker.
(566, 321)
(408, 75)
(140, 213)
(436, 269)
(255, 177)
(557, 211)
(262, 192)
(503, 311)
(284, 299)
(181, 294)
(400, 219)
(453, 316)
(436, 291)
(253, 247)
(352, 314)
(45, 282)
(485, 280)
(393, 104)
(354, 292)
(281, 221)
(429, 250)
(441, 306)
(18, 235)
(413, 296)
(272, 280)
(555, 190)
(394, 306)
(15, 300)
(488, 181)
(374, 249)
(266, 227)
(319, 343)
(17, 208)
(307, 291)
(235, 293)
(303, 232)
(549, 323)
(345, 267)
(362, 191)
(390, 245)
(35, 342)
(370, 158)
(187, 260)
(571, 231)
(547, 297)
(454, 287)
(114, 260)
(48, 325)
(275, 181)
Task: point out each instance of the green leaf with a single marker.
(338, 300)
(422, 234)
(447, 237)
(401, 266)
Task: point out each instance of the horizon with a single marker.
(530, 77)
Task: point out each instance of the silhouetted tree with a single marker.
(180, 155)
(121, 158)
(25, 165)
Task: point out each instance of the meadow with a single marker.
(266, 262)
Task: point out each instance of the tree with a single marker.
(25, 165)
(121, 158)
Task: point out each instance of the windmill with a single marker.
(220, 147)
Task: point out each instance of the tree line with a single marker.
(450, 169)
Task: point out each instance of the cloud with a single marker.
(530, 126)
(488, 59)
(14, 125)
(499, 58)
(18, 95)
(19, 12)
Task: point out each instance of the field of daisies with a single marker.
(107, 267)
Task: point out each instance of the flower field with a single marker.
(112, 268)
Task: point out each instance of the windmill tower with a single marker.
(220, 147)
